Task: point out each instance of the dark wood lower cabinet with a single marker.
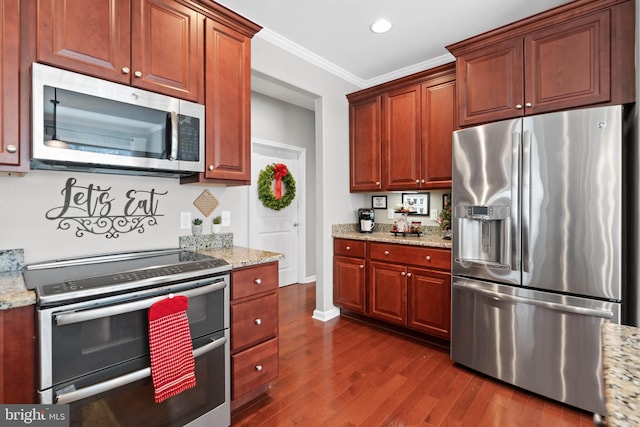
(402, 285)
(17, 355)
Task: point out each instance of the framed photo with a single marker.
(418, 203)
(379, 202)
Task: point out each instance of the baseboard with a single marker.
(325, 316)
(309, 279)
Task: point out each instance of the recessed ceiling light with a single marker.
(381, 26)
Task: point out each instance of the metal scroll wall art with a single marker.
(91, 210)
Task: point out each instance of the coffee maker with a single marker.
(365, 220)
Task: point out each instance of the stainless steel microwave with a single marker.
(88, 124)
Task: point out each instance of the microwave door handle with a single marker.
(173, 132)
(98, 313)
(92, 390)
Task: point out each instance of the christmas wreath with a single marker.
(276, 200)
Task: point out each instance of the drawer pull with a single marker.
(258, 321)
(259, 368)
(386, 252)
(258, 281)
(428, 258)
(348, 248)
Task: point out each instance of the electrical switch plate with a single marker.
(434, 215)
(185, 220)
(390, 214)
(226, 218)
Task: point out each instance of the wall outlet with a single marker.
(434, 215)
(226, 218)
(390, 214)
(185, 220)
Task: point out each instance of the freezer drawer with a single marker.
(545, 343)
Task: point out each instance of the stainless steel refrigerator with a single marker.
(538, 248)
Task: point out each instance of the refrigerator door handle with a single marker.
(526, 198)
(513, 241)
(497, 296)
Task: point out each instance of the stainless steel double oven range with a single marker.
(93, 336)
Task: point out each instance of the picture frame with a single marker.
(446, 199)
(418, 203)
(379, 202)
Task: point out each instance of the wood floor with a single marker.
(345, 373)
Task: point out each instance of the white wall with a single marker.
(285, 123)
(335, 205)
(24, 202)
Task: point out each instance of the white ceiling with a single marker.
(335, 34)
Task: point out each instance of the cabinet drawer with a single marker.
(414, 255)
(254, 280)
(351, 248)
(254, 320)
(254, 367)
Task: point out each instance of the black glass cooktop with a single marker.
(74, 278)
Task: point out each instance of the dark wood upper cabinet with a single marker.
(10, 149)
(400, 132)
(575, 55)
(365, 144)
(152, 44)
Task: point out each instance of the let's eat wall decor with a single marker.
(97, 210)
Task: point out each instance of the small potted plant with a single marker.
(196, 227)
(217, 224)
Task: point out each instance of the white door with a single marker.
(278, 231)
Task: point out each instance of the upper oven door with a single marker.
(86, 337)
(82, 120)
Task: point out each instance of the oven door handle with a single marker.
(113, 383)
(113, 310)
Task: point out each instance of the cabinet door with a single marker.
(364, 145)
(438, 124)
(167, 49)
(402, 139)
(388, 292)
(9, 64)
(349, 283)
(490, 83)
(17, 350)
(429, 296)
(228, 104)
(568, 65)
(88, 36)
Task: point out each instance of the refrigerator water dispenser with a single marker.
(484, 236)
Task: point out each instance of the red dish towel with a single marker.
(172, 365)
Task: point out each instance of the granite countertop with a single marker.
(432, 236)
(14, 294)
(621, 374)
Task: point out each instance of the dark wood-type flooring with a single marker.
(345, 373)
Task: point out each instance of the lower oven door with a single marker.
(111, 398)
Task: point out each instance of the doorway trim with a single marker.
(301, 182)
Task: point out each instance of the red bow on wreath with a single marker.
(280, 171)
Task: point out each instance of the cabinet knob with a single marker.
(408, 274)
(361, 266)
(386, 252)
(11, 148)
(403, 274)
(417, 181)
(378, 183)
(422, 181)
(348, 248)
(138, 74)
(258, 321)
(428, 258)
(519, 106)
(259, 368)
(258, 281)
(528, 105)
(125, 70)
(211, 167)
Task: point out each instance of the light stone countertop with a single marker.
(431, 237)
(14, 294)
(621, 374)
